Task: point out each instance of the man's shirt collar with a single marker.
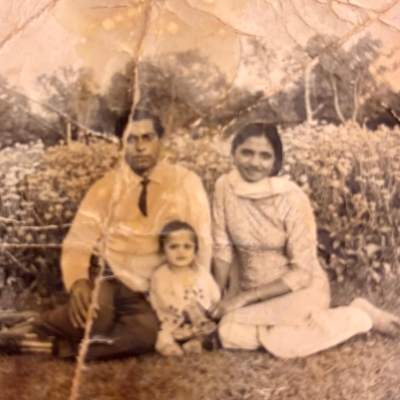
(155, 175)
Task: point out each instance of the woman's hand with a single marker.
(252, 296)
(227, 305)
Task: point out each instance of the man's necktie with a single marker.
(143, 197)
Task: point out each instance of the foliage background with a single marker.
(338, 119)
(351, 175)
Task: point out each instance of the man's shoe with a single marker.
(65, 349)
(9, 345)
(12, 343)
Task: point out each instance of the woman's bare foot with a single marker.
(382, 321)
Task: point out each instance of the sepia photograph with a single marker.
(200, 199)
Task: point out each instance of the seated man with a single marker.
(121, 216)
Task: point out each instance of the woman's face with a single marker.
(254, 158)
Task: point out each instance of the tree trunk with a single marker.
(69, 133)
(307, 84)
(356, 101)
(336, 100)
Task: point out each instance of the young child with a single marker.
(181, 292)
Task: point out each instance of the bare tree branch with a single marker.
(45, 228)
(29, 246)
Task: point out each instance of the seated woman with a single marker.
(267, 223)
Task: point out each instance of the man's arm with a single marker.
(144, 264)
(84, 233)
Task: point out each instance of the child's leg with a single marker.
(193, 346)
(166, 345)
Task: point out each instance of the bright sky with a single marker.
(103, 34)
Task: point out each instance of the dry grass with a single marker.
(363, 368)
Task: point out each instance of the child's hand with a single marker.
(208, 327)
(183, 332)
(171, 349)
(197, 313)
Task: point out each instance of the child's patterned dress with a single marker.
(181, 306)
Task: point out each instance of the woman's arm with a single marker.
(223, 248)
(265, 292)
(221, 272)
(301, 241)
(199, 216)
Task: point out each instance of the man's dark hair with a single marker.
(121, 123)
(138, 115)
(174, 226)
(270, 133)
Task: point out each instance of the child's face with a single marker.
(179, 248)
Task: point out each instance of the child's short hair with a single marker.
(174, 226)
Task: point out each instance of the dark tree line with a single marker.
(186, 90)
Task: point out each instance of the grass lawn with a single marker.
(366, 367)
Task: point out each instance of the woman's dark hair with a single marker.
(270, 133)
(174, 226)
(138, 115)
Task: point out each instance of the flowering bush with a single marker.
(351, 175)
(40, 192)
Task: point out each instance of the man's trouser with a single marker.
(125, 324)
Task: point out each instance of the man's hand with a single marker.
(232, 303)
(79, 302)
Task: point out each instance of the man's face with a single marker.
(254, 158)
(142, 145)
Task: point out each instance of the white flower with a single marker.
(303, 178)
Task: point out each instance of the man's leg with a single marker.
(129, 327)
(57, 322)
(135, 329)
